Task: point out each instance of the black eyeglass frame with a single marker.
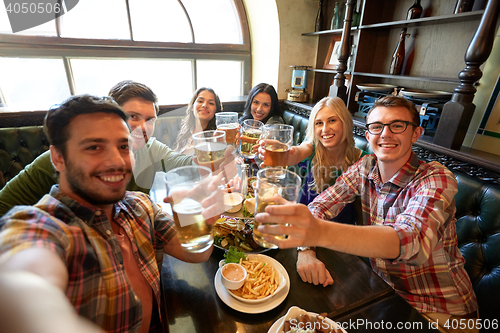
(389, 125)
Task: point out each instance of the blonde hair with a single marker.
(323, 164)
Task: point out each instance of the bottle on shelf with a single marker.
(335, 23)
(399, 55)
(463, 6)
(415, 11)
(319, 17)
(350, 61)
(356, 15)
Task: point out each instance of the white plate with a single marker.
(426, 94)
(376, 87)
(282, 280)
(293, 312)
(253, 308)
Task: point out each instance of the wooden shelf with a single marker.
(337, 32)
(412, 78)
(443, 19)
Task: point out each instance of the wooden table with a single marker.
(357, 293)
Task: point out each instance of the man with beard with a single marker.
(100, 245)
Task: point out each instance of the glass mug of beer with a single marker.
(210, 147)
(279, 139)
(186, 187)
(251, 131)
(273, 185)
(228, 122)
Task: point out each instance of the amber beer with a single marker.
(194, 234)
(274, 186)
(276, 154)
(187, 187)
(210, 152)
(231, 132)
(248, 140)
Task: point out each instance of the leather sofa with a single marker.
(478, 204)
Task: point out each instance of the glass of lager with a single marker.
(272, 186)
(279, 139)
(250, 133)
(228, 122)
(187, 186)
(210, 147)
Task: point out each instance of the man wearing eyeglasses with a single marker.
(408, 228)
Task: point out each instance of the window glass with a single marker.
(214, 22)
(32, 84)
(223, 76)
(171, 80)
(166, 23)
(96, 19)
(46, 29)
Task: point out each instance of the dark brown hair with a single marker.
(124, 91)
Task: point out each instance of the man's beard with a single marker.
(76, 181)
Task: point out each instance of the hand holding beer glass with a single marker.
(251, 131)
(274, 186)
(228, 122)
(187, 189)
(279, 139)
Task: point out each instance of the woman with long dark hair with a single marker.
(263, 105)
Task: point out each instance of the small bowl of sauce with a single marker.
(233, 276)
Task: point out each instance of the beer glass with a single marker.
(273, 184)
(187, 186)
(228, 122)
(250, 133)
(279, 139)
(209, 147)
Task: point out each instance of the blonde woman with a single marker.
(326, 152)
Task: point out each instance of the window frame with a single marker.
(52, 46)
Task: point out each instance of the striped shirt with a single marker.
(418, 202)
(98, 287)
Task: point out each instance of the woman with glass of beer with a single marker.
(200, 116)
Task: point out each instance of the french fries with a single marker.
(262, 280)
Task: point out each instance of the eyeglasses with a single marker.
(396, 127)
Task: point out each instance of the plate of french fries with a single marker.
(267, 285)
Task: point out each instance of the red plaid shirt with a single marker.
(98, 287)
(418, 202)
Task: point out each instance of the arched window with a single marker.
(173, 46)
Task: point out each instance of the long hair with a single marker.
(275, 104)
(189, 122)
(323, 164)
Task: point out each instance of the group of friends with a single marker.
(78, 221)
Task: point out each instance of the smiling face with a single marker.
(261, 106)
(142, 120)
(205, 107)
(98, 164)
(328, 128)
(392, 150)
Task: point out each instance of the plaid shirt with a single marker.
(98, 287)
(418, 202)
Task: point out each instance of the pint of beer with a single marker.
(228, 122)
(250, 133)
(279, 139)
(187, 186)
(210, 147)
(275, 186)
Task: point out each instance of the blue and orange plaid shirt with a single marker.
(98, 287)
(418, 202)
